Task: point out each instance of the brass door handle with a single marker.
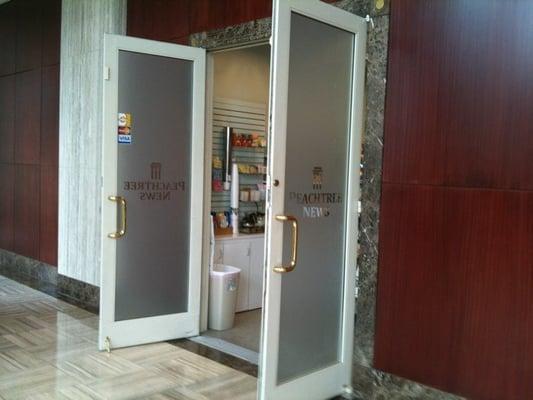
(294, 250)
(123, 210)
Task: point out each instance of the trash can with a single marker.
(223, 286)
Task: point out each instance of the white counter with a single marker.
(240, 236)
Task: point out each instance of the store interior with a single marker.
(240, 99)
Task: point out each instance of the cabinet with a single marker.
(255, 283)
(246, 253)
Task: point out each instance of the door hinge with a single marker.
(107, 344)
(348, 392)
(107, 73)
(370, 20)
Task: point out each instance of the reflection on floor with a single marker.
(48, 351)
(245, 333)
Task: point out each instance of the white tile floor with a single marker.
(48, 351)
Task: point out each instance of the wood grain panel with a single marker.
(7, 118)
(489, 243)
(171, 20)
(48, 214)
(140, 19)
(459, 94)
(455, 289)
(416, 306)
(27, 210)
(50, 116)
(7, 38)
(7, 194)
(29, 35)
(51, 31)
(207, 14)
(489, 95)
(29, 113)
(28, 117)
(414, 134)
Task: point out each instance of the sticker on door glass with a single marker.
(156, 187)
(316, 203)
(124, 128)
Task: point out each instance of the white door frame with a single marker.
(329, 381)
(164, 327)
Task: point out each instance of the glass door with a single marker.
(152, 196)
(317, 102)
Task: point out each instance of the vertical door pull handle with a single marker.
(123, 216)
(294, 250)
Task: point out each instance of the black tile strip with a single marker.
(216, 355)
(44, 278)
(49, 289)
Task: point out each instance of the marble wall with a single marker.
(83, 24)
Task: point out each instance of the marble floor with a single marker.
(245, 333)
(48, 351)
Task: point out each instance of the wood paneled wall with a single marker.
(175, 20)
(29, 99)
(455, 285)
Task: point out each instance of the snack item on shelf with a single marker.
(217, 162)
(255, 140)
(245, 195)
(255, 195)
(218, 186)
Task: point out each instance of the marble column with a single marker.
(83, 24)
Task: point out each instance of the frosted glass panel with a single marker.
(319, 99)
(152, 270)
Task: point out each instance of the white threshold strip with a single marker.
(228, 348)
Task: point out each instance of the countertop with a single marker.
(240, 236)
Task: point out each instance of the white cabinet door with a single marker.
(237, 254)
(255, 297)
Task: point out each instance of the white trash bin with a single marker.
(223, 286)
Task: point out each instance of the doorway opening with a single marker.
(237, 123)
(307, 300)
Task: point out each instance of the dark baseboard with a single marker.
(44, 277)
(216, 355)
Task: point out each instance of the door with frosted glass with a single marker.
(317, 88)
(152, 191)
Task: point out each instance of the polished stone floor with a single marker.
(245, 333)
(48, 351)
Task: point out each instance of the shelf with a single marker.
(246, 148)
